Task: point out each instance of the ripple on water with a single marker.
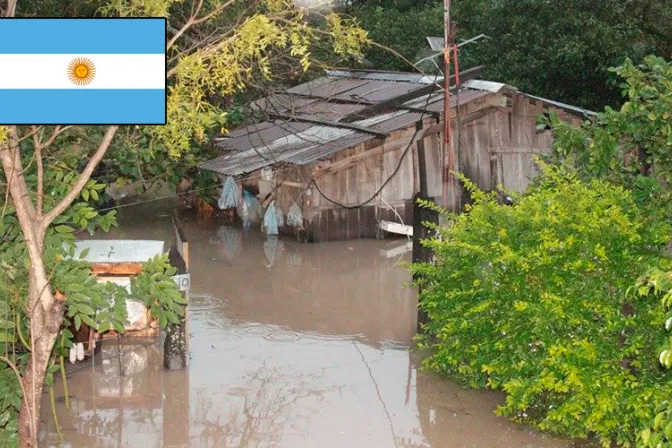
(282, 336)
(258, 329)
(201, 302)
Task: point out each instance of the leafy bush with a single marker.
(658, 434)
(531, 299)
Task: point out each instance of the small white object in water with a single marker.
(80, 352)
(73, 355)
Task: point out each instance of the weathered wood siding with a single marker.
(500, 147)
(496, 139)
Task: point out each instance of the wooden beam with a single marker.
(399, 229)
(333, 124)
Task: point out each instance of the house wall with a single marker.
(500, 147)
(497, 138)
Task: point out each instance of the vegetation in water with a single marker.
(53, 178)
(531, 299)
(563, 299)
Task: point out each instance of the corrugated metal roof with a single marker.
(328, 101)
(417, 78)
(358, 90)
(564, 106)
(488, 86)
(315, 142)
(435, 102)
(299, 106)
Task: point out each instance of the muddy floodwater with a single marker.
(291, 345)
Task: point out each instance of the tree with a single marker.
(206, 63)
(560, 49)
(629, 145)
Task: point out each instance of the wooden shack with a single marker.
(352, 149)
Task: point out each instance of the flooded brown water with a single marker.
(291, 345)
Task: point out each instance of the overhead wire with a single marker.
(391, 176)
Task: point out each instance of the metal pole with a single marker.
(449, 193)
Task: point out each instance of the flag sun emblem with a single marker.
(81, 71)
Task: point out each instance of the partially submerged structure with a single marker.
(353, 148)
(118, 261)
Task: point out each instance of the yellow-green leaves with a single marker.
(348, 38)
(139, 8)
(539, 288)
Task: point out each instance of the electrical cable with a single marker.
(394, 173)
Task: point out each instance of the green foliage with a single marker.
(10, 403)
(158, 292)
(403, 30)
(559, 49)
(631, 145)
(657, 283)
(531, 299)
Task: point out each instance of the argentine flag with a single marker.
(83, 71)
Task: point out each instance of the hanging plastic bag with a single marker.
(280, 217)
(229, 197)
(243, 209)
(295, 217)
(254, 209)
(271, 220)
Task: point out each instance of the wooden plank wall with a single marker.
(500, 147)
(498, 140)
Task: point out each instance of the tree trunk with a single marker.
(43, 336)
(44, 311)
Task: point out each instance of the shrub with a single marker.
(531, 299)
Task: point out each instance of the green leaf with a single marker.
(75, 287)
(84, 253)
(64, 229)
(85, 309)
(78, 321)
(85, 194)
(87, 320)
(668, 431)
(7, 337)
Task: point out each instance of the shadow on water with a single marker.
(291, 345)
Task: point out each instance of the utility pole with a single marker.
(449, 187)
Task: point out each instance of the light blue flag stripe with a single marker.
(83, 36)
(90, 106)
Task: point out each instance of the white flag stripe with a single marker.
(113, 71)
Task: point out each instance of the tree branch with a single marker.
(194, 21)
(83, 179)
(11, 8)
(40, 171)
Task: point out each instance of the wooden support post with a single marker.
(421, 254)
(175, 343)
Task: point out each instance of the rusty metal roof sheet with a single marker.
(416, 78)
(364, 91)
(311, 143)
(566, 107)
(300, 106)
(435, 101)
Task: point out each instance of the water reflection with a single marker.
(291, 345)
